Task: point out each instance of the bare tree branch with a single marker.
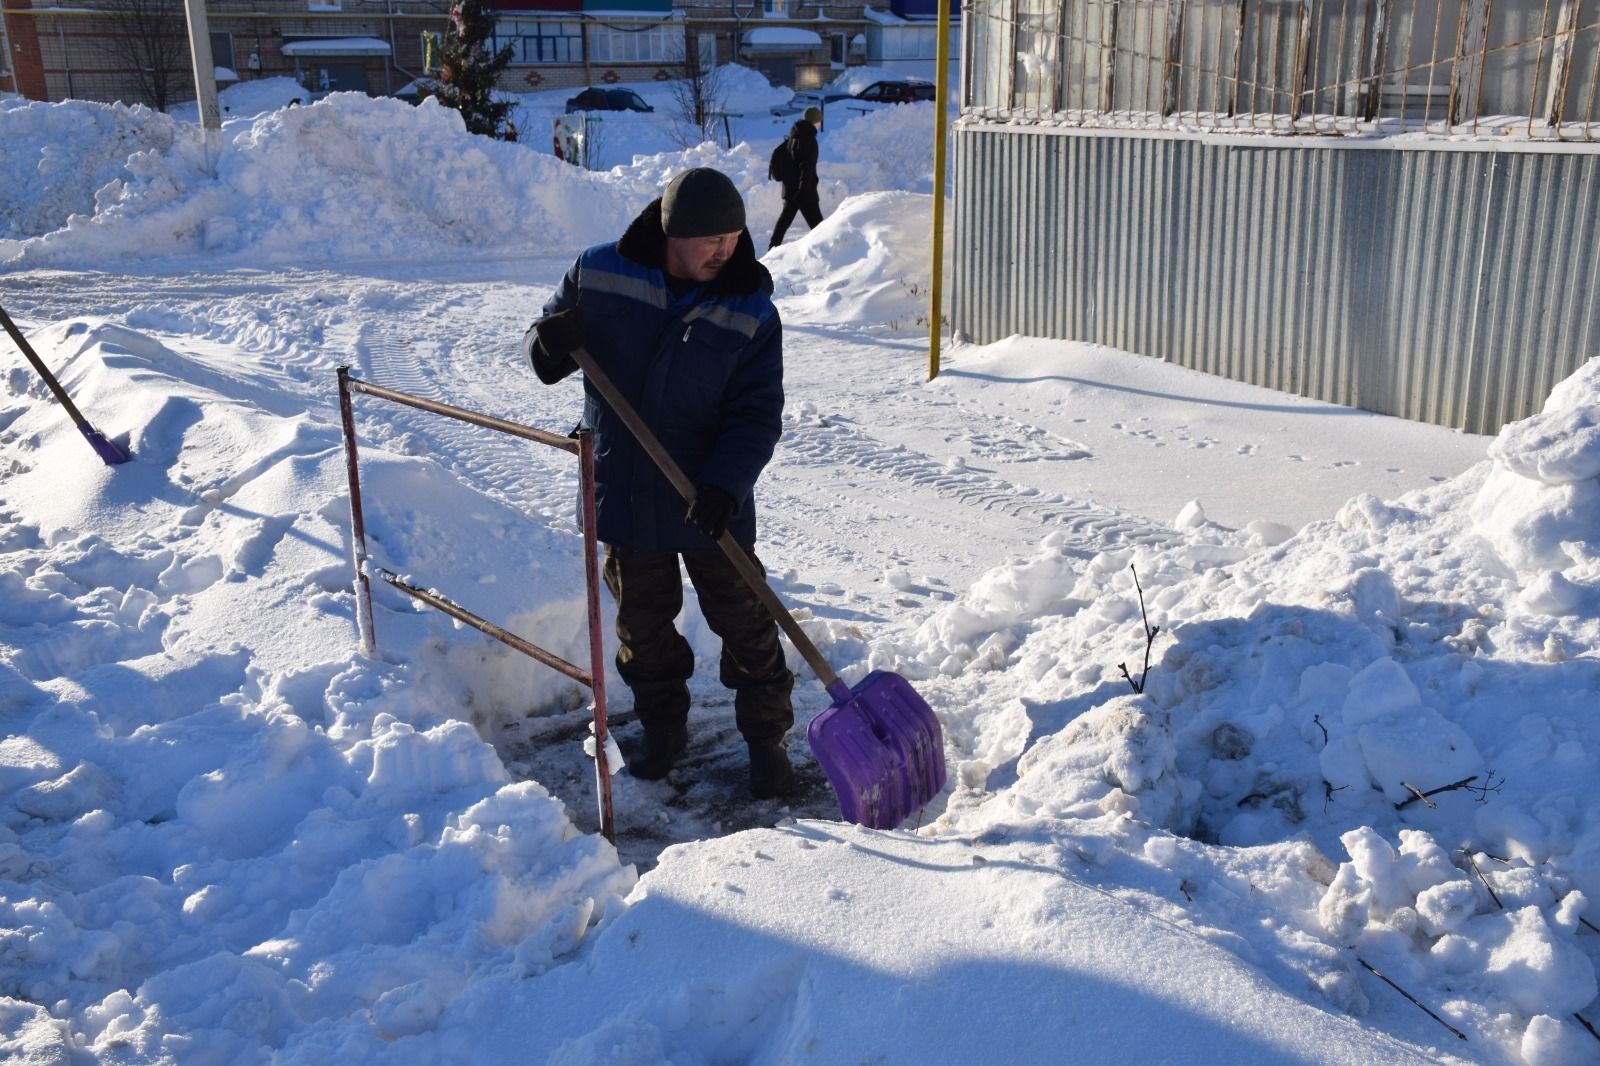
(1487, 887)
(698, 98)
(1415, 1002)
(1483, 790)
(151, 39)
(1150, 632)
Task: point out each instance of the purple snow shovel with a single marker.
(879, 742)
(106, 449)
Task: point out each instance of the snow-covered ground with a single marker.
(226, 836)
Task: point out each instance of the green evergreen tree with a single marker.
(465, 73)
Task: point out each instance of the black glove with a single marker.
(711, 510)
(560, 333)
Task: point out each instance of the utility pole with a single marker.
(205, 80)
(941, 109)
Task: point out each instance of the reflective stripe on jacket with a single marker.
(704, 371)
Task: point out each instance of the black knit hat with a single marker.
(701, 203)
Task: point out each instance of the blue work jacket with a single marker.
(704, 371)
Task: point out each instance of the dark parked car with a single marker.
(607, 100)
(896, 92)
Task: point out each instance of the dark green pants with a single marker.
(655, 660)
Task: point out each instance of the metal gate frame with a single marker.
(581, 445)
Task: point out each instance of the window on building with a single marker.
(775, 7)
(910, 42)
(617, 43)
(543, 41)
(838, 49)
(222, 50)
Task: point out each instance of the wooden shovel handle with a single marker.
(43, 371)
(736, 555)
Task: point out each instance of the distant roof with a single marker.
(337, 46)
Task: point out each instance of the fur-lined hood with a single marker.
(645, 244)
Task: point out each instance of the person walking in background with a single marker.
(679, 315)
(795, 165)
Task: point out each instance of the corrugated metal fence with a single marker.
(1445, 285)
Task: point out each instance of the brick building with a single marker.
(377, 46)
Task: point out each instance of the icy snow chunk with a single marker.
(1383, 688)
(1375, 861)
(1414, 883)
(28, 1034)
(1551, 592)
(1372, 595)
(406, 1011)
(1190, 516)
(1531, 524)
(898, 579)
(1124, 744)
(1443, 908)
(1366, 511)
(84, 788)
(1346, 906)
(1544, 488)
(1419, 749)
(1533, 968)
(614, 760)
(1561, 444)
(1569, 911)
(1265, 534)
(1553, 1042)
(450, 755)
(1342, 764)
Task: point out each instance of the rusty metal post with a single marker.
(358, 529)
(597, 665)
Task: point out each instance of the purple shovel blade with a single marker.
(105, 448)
(882, 749)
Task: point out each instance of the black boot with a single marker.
(770, 772)
(662, 748)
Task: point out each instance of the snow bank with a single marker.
(246, 99)
(890, 148)
(867, 262)
(1410, 684)
(219, 841)
(346, 177)
(58, 156)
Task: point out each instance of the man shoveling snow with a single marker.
(679, 315)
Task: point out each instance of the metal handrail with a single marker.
(583, 447)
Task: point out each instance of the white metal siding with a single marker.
(1448, 286)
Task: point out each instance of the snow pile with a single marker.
(890, 148)
(1540, 509)
(1403, 670)
(346, 177)
(58, 156)
(246, 99)
(211, 840)
(353, 177)
(867, 262)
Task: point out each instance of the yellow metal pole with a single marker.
(941, 109)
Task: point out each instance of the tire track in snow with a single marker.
(518, 472)
(1093, 528)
